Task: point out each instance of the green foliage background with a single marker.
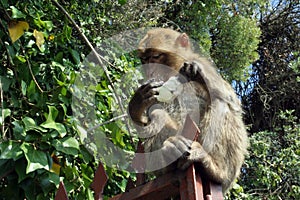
(40, 144)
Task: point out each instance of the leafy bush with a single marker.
(272, 168)
(41, 57)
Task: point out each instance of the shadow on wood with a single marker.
(188, 185)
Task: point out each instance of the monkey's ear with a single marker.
(183, 40)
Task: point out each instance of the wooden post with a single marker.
(61, 192)
(191, 185)
(99, 182)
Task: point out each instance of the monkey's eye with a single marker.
(156, 56)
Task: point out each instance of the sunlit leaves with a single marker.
(16, 29)
(67, 145)
(235, 45)
(51, 124)
(3, 114)
(47, 25)
(39, 38)
(55, 168)
(16, 13)
(273, 162)
(10, 150)
(37, 123)
(35, 159)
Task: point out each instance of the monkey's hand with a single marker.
(175, 147)
(195, 154)
(143, 98)
(192, 71)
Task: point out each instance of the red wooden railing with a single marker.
(188, 185)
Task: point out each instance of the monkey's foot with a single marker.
(195, 154)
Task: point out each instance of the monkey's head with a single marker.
(165, 47)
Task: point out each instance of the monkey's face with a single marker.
(152, 56)
(163, 51)
(157, 65)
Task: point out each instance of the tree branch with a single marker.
(100, 58)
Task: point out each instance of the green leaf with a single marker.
(67, 145)
(31, 91)
(51, 116)
(60, 128)
(18, 130)
(48, 181)
(24, 87)
(31, 125)
(11, 52)
(58, 65)
(51, 124)
(6, 112)
(5, 83)
(16, 13)
(28, 187)
(21, 58)
(122, 2)
(10, 150)
(36, 159)
(48, 25)
(86, 155)
(54, 178)
(70, 142)
(21, 170)
(75, 55)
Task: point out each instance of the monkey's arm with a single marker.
(223, 134)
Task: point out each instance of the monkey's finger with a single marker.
(149, 81)
(182, 147)
(181, 143)
(146, 84)
(150, 89)
(187, 70)
(170, 151)
(153, 83)
(150, 100)
(150, 94)
(186, 154)
(185, 140)
(196, 68)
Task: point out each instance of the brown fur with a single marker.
(222, 143)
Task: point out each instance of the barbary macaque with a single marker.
(222, 143)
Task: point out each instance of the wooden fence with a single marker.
(188, 185)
